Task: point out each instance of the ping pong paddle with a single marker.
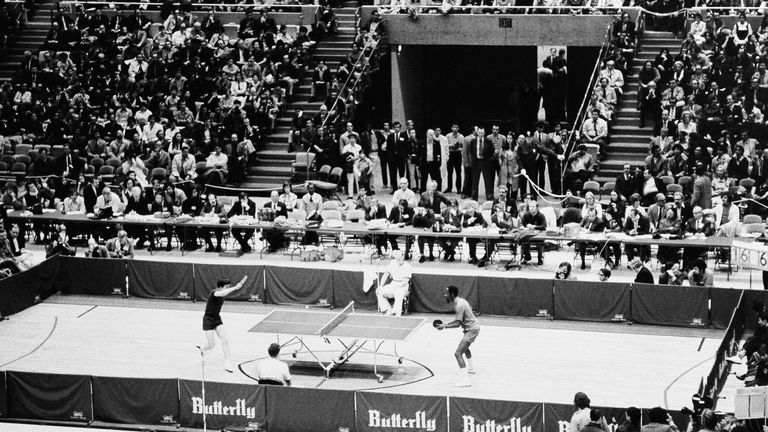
(437, 323)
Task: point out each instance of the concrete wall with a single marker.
(526, 30)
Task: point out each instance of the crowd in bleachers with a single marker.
(128, 89)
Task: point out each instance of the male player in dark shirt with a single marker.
(212, 322)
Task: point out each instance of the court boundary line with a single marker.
(40, 345)
(94, 307)
(685, 372)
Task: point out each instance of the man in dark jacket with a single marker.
(643, 274)
(243, 207)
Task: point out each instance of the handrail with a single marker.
(351, 74)
(582, 108)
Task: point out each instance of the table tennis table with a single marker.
(352, 331)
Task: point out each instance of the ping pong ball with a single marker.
(306, 307)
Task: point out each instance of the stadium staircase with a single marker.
(30, 38)
(274, 162)
(630, 143)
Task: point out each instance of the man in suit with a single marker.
(44, 165)
(482, 163)
(275, 237)
(591, 224)
(471, 217)
(657, 211)
(243, 207)
(401, 214)
(397, 146)
(388, 170)
(625, 183)
(431, 198)
(533, 220)
(430, 159)
(637, 224)
(68, 164)
(650, 104)
(702, 188)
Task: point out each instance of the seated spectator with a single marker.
(578, 167)
(272, 368)
(603, 275)
(120, 246)
(275, 237)
(532, 219)
(643, 274)
(243, 207)
(700, 275)
(564, 273)
(96, 250)
(401, 215)
(216, 168)
(59, 244)
(614, 76)
(594, 130)
(398, 283)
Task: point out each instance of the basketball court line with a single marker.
(40, 345)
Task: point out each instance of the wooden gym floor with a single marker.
(517, 359)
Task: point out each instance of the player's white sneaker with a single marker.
(463, 382)
(228, 366)
(471, 371)
(463, 379)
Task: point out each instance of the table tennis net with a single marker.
(338, 319)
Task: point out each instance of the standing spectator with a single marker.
(455, 147)
(482, 163)
(430, 159)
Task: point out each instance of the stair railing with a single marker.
(571, 143)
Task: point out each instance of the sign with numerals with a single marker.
(750, 255)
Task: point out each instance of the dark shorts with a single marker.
(210, 323)
(470, 335)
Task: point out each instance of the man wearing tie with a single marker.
(275, 237)
(243, 207)
(397, 145)
(481, 162)
(656, 212)
(650, 104)
(625, 183)
(430, 159)
(68, 164)
(592, 224)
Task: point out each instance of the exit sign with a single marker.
(505, 22)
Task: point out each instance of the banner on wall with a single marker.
(515, 297)
(286, 285)
(92, 276)
(49, 397)
(331, 410)
(588, 301)
(660, 305)
(162, 280)
(3, 396)
(379, 412)
(149, 401)
(475, 415)
(29, 287)
(226, 405)
(359, 287)
(208, 275)
(428, 292)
